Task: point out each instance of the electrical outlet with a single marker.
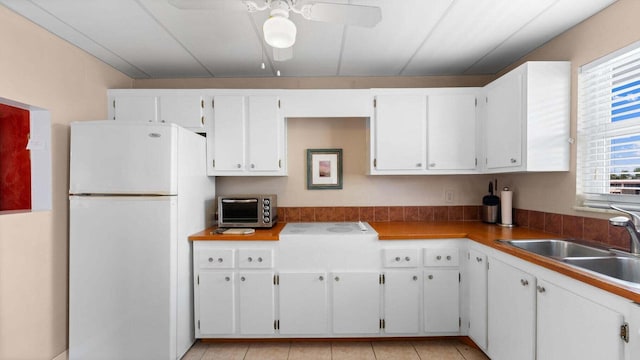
(448, 196)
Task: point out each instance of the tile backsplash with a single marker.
(566, 226)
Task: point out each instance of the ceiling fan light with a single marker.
(279, 32)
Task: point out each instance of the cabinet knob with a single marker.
(438, 257)
(238, 166)
(210, 259)
(419, 165)
(448, 257)
(541, 289)
(397, 258)
(253, 166)
(513, 161)
(432, 165)
(524, 282)
(337, 278)
(430, 277)
(249, 259)
(259, 259)
(321, 278)
(414, 278)
(162, 121)
(242, 278)
(478, 259)
(406, 258)
(220, 260)
(226, 278)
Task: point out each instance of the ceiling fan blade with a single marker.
(238, 5)
(282, 54)
(359, 15)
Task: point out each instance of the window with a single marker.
(608, 169)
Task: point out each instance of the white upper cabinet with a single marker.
(181, 107)
(527, 119)
(424, 131)
(399, 134)
(246, 136)
(451, 131)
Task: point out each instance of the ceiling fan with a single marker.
(278, 30)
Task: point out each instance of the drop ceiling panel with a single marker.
(223, 41)
(472, 29)
(316, 51)
(127, 30)
(386, 48)
(557, 19)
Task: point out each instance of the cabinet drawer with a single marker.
(441, 257)
(400, 258)
(255, 258)
(215, 259)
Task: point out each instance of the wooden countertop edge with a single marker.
(482, 233)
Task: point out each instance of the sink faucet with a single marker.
(631, 225)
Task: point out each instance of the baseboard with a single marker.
(62, 356)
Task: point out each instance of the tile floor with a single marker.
(339, 350)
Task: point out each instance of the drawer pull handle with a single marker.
(448, 257)
(438, 257)
(259, 259)
(210, 259)
(397, 258)
(406, 258)
(220, 260)
(249, 259)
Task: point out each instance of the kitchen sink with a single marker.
(619, 267)
(556, 248)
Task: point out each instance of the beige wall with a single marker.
(38, 68)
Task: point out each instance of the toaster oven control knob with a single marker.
(267, 219)
(266, 213)
(266, 201)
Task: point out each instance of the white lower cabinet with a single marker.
(477, 280)
(303, 303)
(356, 302)
(441, 300)
(402, 301)
(511, 312)
(215, 303)
(573, 327)
(256, 302)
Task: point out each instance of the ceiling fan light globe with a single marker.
(279, 32)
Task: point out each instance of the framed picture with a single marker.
(324, 169)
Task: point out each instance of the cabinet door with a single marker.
(511, 313)
(451, 130)
(183, 110)
(356, 302)
(216, 301)
(135, 108)
(441, 300)
(505, 116)
(225, 134)
(400, 132)
(573, 327)
(303, 303)
(265, 134)
(256, 302)
(478, 298)
(402, 302)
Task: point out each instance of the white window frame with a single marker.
(596, 82)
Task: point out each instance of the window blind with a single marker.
(608, 167)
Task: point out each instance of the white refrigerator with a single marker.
(137, 190)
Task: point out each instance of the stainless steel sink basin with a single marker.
(619, 267)
(560, 249)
